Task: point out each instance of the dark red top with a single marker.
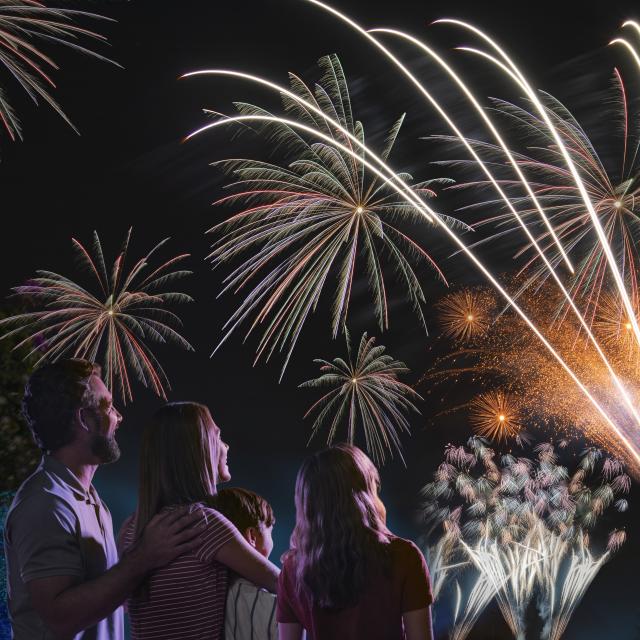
(378, 614)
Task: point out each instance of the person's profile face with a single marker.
(101, 420)
(108, 417)
(224, 475)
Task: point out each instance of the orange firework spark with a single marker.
(508, 359)
(614, 326)
(465, 314)
(495, 415)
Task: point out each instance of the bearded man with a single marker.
(64, 576)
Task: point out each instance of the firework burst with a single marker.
(523, 527)
(465, 314)
(23, 22)
(111, 325)
(615, 328)
(612, 187)
(317, 219)
(365, 392)
(327, 126)
(507, 360)
(494, 415)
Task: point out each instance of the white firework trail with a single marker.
(432, 216)
(625, 43)
(480, 595)
(583, 568)
(534, 243)
(512, 70)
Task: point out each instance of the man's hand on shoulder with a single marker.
(167, 536)
(68, 605)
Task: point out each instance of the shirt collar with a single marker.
(51, 465)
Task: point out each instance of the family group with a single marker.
(193, 560)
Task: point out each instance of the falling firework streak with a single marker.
(431, 215)
(630, 48)
(519, 78)
(456, 78)
(425, 210)
(626, 43)
(513, 72)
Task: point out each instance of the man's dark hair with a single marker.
(52, 395)
(244, 508)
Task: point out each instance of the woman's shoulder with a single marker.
(402, 549)
(216, 530)
(287, 580)
(289, 567)
(211, 517)
(411, 571)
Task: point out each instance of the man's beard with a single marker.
(105, 448)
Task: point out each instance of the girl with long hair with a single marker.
(182, 459)
(346, 576)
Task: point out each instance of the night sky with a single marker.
(130, 168)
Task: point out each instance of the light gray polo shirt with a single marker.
(55, 527)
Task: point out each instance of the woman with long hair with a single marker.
(346, 576)
(182, 459)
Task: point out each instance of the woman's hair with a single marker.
(178, 459)
(340, 536)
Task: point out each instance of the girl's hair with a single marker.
(178, 459)
(340, 536)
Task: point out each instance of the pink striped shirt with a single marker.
(186, 598)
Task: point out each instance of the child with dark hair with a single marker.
(250, 611)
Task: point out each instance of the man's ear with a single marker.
(80, 420)
(251, 535)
